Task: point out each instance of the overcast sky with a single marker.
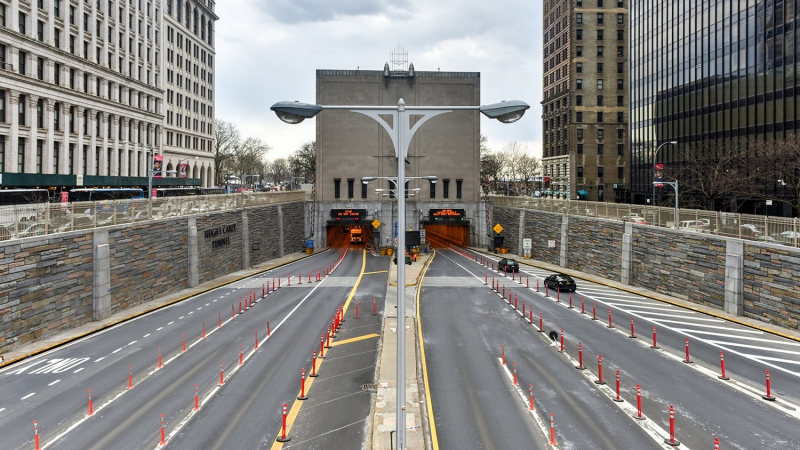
(269, 50)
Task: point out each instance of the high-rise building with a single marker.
(585, 105)
(189, 74)
(82, 90)
(709, 72)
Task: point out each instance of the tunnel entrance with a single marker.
(340, 234)
(453, 233)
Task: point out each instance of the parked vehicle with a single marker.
(694, 225)
(561, 282)
(508, 265)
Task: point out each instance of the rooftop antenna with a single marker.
(399, 59)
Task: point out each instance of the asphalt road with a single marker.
(52, 388)
(705, 407)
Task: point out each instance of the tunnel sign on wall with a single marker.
(498, 228)
(376, 223)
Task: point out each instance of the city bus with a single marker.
(175, 192)
(101, 194)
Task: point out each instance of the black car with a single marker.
(561, 282)
(508, 265)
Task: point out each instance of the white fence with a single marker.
(775, 230)
(47, 218)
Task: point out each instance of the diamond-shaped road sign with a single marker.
(498, 228)
(376, 223)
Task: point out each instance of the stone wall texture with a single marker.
(46, 283)
(681, 264)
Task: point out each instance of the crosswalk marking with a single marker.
(734, 336)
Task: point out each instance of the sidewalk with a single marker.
(41, 345)
(384, 415)
(719, 313)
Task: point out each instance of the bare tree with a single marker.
(248, 157)
(712, 175)
(491, 164)
(777, 176)
(303, 162)
(228, 138)
(278, 170)
(529, 167)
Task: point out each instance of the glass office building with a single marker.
(708, 71)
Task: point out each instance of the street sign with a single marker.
(376, 223)
(395, 230)
(422, 235)
(498, 228)
(769, 202)
(526, 245)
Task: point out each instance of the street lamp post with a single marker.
(674, 185)
(400, 131)
(655, 154)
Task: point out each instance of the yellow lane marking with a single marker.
(377, 271)
(296, 405)
(355, 339)
(431, 420)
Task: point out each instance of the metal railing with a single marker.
(769, 229)
(21, 221)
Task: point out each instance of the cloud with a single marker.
(305, 11)
(268, 51)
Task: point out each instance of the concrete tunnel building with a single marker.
(351, 146)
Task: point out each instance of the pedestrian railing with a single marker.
(19, 221)
(769, 229)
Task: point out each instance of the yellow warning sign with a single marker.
(376, 223)
(498, 228)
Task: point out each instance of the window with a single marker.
(337, 188)
(580, 148)
(70, 160)
(619, 117)
(579, 34)
(599, 117)
(600, 149)
(620, 85)
(599, 50)
(40, 31)
(433, 190)
(40, 68)
(620, 35)
(2, 107)
(578, 116)
(580, 134)
(57, 37)
(350, 185)
(620, 18)
(579, 3)
(620, 52)
(2, 153)
(445, 188)
(84, 159)
(85, 82)
(579, 170)
(85, 22)
(600, 133)
(579, 67)
(72, 15)
(21, 110)
(599, 35)
(39, 145)
(599, 3)
(599, 67)
(72, 44)
(620, 172)
(599, 18)
(578, 83)
(600, 172)
(22, 60)
(620, 133)
(97, 160)
(86, 50)
(72, 78)
(579, 50)
(600, 101)
(620, 100)
(600, 85)
(621, 149)
(57, 117)
(578, 18)
(578, 100)
(620, 4)
(22, 23)
(55, 157)
(459, 183)
(620, 67)
(71, 119)
(363, 190)
(20, 155)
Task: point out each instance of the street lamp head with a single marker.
(295, 112)
(431, 178)
(366, 180)
(506, 112)
(673, 142)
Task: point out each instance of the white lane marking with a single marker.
(747, 338)
(54, 382)
(159, 328)
(115, 351)
(171, 322)
(756, 347)
(201, 307)
(29, 395)
(2, 409)
(647, 313)
(78, 370)
(99, 359)
(639, 305)
(716, 327)
(769, 358)
(215, 300)
(148, 334)
(208, 304)
(190, 312)
(181, 317)
(133, 342)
